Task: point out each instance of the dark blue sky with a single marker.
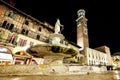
(103, 18)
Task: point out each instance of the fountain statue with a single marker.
(57, 27)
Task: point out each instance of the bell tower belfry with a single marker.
(82, 31)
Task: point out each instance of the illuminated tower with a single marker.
(82, 31)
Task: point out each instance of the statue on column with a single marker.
(57, 36)
(58, 27)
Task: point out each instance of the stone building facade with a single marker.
(20, 29)
(106, 49)
(95, 57)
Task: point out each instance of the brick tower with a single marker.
(82, 31)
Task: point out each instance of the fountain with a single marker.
(54, 52)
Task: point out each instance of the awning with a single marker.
(6, 57)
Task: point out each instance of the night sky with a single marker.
(103, 18)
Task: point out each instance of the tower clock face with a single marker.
(85, 31)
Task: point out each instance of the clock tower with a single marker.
(82, 31)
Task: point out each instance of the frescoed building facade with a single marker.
(18, 28)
